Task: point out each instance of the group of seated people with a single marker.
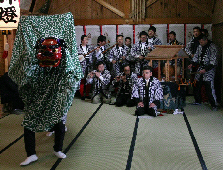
(145, 92)
(120, 71)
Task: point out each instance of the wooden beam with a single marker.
(198, 20)
(150, 2)
(200, 7)
(111, 8)
(127, 8)
(205, 20)
(103, 21)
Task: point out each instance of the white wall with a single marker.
(127, 31)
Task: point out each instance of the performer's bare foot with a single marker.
(29, 159)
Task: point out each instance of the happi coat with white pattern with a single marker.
(155, 90)
(116, 54)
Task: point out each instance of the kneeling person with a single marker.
(125, 82)
(100, 79)
(148, 93)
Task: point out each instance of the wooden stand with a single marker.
(167, 53)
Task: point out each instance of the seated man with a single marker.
(100, 79)
(125, 82)
(148, 93)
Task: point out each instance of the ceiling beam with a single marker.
(150, 2)
(111, 8)
(200, 7)
(204, 20)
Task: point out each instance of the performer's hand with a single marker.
(140, 104)
(202, 71)
(113, 61)
(97, 49)
(123, 57)
(141, 57)
(152, 105)
(189, 67)
(98, 74)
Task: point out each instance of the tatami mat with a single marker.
(12, 157)
(11, 129)
(164, 143)
(208, 129)
(161, 143)
(105, 142)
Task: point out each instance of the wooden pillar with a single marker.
(175, 69)
(159, 71)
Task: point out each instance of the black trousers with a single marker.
(30, 142)
(209, 91)
(123, 99)
(145, 110)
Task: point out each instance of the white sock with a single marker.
(29, 159)
(49, 133)
(60, 154)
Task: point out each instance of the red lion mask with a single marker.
(49, 51)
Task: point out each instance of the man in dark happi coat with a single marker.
(124, 82)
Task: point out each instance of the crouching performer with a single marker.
(124, 82)
(100, 79)
(148, 92)
(47, 70)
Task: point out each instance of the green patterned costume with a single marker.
(46, 92)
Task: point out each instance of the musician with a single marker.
(205, 32)
(128, 42)
(154, 40)
(119, 55)
(99, 54)
(148, 92)
(206, 57)
(173, 41)
(139, 51)
(86, 64)
(193, 44)
(100, 79)
(125, 81)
